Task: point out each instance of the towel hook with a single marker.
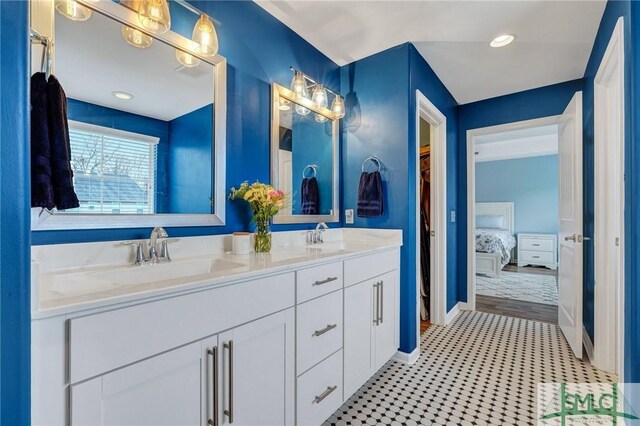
(314, 170)
(373, 159)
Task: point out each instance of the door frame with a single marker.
(609, 296)
(426, 110)
(472, 134)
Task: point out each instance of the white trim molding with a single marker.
(472, 135)
(588, 344)
(608, 238)
(408, 358)
(427, 111)
(452, 313)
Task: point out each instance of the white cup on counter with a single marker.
(241, 243)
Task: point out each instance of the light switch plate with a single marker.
(453, 216)
(348, 216)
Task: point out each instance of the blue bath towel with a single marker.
(310, 196)
(41, 185)
(370, 195)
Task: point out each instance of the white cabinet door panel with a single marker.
(164, 390)
(387, 329)
(358, 336)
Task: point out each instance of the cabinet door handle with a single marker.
(329, 327)
(381, 310)
(328, 280)
(376, 315)
(536, 257)
(318, 399)
(536, 245)
(213, 351)
(229, 412)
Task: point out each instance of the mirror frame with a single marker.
(277, 92)
(45, 220)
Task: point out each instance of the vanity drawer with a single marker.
(320, 391)
(319, 329)
(536, 257)
(109, 340)
(370, 266)
(536, 244)
(319, 280)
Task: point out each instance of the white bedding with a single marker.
(495, 241)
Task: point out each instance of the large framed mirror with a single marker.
(147, 118)
(304, 158)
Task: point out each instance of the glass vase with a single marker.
(262, 237)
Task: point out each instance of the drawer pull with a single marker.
(536, 257)
(536, 245)
(328, 280)
(229, 411)
(318, 399)
(329, 327)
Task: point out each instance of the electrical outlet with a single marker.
(453, 216)
(348, 216)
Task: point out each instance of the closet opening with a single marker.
(425, 230)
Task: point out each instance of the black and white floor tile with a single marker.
(520, 286)
(482, 369)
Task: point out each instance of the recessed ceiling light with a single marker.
(502, 40)
(122, 95)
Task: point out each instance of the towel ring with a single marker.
(314, 170)
(373, 159)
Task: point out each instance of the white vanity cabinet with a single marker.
(286, 348)
(371, 311)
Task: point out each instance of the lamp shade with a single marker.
(73, 10)
(136, 38)
(204, 34)
(154, 15)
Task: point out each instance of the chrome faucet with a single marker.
(317, 237)
(158, 234)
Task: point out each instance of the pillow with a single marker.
(490, 222)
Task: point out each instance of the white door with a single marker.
(385, 332)
(358, 336)
(570, 224)
(285, 173)
(163, 390)
(258, 373)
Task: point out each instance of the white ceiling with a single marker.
(553, 44)
(92, 60)
(521, 143)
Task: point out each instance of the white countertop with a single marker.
(69, 278)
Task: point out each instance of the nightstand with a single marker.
(538, 250)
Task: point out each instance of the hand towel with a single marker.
(310, 196)
(41, 185)
(64, 195)
(370, 195)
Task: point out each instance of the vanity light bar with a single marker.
(314, 82)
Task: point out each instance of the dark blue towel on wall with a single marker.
(370, 195)
(41, 185)
(64, 195)
(310, 196)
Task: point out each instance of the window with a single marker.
(114, 172)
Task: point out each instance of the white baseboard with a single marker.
(588, 344)
(452, 313)
(464, 306)
(407, 358)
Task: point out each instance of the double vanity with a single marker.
(211, 338)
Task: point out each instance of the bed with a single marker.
(494, 237)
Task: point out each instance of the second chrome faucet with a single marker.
(157, 235)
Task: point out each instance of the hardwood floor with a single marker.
(424, 325)
(517, 308)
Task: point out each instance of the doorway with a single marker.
(608, 344)
(431, 213)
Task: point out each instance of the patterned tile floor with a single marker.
(481, 369)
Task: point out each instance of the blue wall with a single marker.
(115, 119)
(15, 336)
(260, 50)
(530, 183)
(527, 105)
(190, 161)
(381, 121)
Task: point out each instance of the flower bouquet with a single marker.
(265, 202)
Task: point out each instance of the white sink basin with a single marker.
(104, 280)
